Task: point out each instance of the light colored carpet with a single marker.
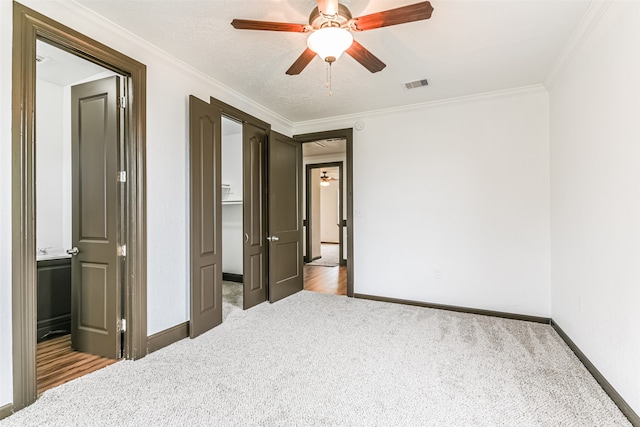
(315, 359)
(330, 255)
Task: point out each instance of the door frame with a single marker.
(346, 134)
(28, 26)
(309, 203)
(235, 114)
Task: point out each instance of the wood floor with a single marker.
(57, 363)
(327, 280)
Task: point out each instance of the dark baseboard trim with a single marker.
(232, 277)
(167, 337)
(606, 386)
(482, 312)
(6, 410)
(343, 262)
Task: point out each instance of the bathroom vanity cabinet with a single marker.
(54, 298)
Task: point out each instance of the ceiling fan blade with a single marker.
(401, 15)
(366, 58)
(247, 24)
(328, 7)
(302, 61)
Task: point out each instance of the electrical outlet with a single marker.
(437, 273)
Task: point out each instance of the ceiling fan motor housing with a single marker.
(318, 20)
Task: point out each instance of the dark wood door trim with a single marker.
(237, 115)
(28, 26)
(234, 113)
(308, 206)
(347, 134)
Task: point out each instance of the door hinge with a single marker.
(122, 325)
(122, 102)
(122, 250)
(122, 176)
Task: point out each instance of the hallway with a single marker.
(326, 280)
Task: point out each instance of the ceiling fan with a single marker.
(330, 26)
(326, 179)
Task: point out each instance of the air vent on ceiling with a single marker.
(416, 84)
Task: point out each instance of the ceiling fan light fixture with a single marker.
(324, 179)
(330, 42)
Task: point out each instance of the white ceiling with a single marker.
(324, 147)
(466, 48)
(62, 68)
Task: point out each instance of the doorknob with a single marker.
(73, 251)
(273, 238)
(246, 237)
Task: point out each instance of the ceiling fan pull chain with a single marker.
(329, 83)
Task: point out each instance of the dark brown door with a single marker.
(205, 122)
(285, 217)
(95, 288)
(255, 258)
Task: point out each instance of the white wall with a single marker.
(329, 231)
(50, 193)
(595, 198)
(467, 194)
(167, 158)
(232, 223)
(232, 164)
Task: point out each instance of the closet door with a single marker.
(205, 143)
(254, 248)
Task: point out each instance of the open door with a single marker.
(285, 217)
(95, 287)
(205, 143)
(254, 247)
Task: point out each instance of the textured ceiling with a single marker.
(466, 48)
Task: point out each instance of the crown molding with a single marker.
(328, 122)
(581, 33)
(103, 29)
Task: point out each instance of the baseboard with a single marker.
(6, 410)
(167, 337)
(232, 277)
(343, 262)
(606, 386)
(482, 312)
